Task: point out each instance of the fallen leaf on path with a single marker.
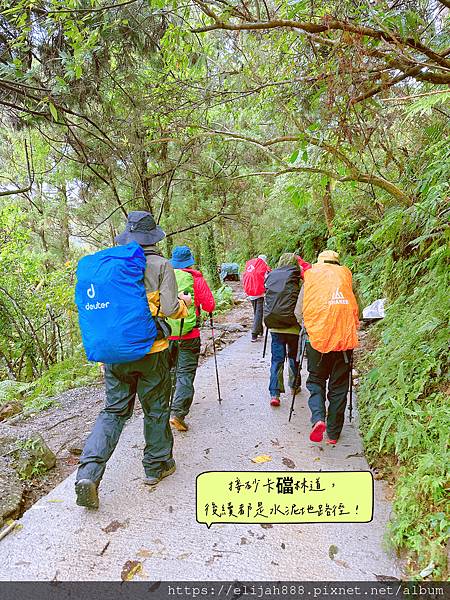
(76, 451)
(144, 553)
(184, 556)
(316, 459)
(114, 526)
(342, 563)
(262, 458)
(332, 551)
(266, 525)
(289, 463)
(275, 442)
(55, 501)
(130, 569)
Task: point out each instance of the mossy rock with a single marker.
(11, 491)
(33, 457)
(10, 409)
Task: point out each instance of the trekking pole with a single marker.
(350, 408)
(265, 342)
(215, 357)
(298, 376)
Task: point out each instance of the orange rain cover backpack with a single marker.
(330, 310)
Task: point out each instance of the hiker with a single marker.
(282, 292)
(304, 266)
(330, 313)
(187, 345)
(149, 377)
(255, 272)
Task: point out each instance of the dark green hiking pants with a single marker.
(334, 368)
(189, 352)
(149, 378)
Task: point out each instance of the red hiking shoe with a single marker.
(332, 442)
(275, 401)
(317, 431)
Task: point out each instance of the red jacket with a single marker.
(304, 266)
(203, 300)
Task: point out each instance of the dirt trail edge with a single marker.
(157, 530)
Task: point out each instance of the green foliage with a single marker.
(29, 460)
(67, 374)
(11, 390)
(40, 394)
(36, 318)
(224, 299)
(404, 412)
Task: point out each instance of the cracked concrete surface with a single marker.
(158, 531)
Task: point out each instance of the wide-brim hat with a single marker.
(182, 257)
(328, 256)
(141, 228)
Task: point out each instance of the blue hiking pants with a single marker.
(282, 343)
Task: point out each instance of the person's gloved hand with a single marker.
(187, 298)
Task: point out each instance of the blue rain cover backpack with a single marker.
(114, 316)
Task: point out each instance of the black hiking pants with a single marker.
(149, 378)
(186, 367)
(258, 305)
(331, 367)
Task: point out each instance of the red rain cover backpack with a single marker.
(253, 278)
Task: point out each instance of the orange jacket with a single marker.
(330, 310)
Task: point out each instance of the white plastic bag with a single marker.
(375, 310)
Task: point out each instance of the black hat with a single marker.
(141, 228)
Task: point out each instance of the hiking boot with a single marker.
(168, 468)
(254, 338)
(179, 423)
(87, 493)
(331, 442)
(317, 431)
(275, 401)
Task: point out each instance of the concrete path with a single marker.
(61, 541)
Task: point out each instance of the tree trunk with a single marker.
(210, 257)
(328, 207)
(65, 230)
(197, 252)
(144, 184)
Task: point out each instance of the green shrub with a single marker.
(404, 414)
(34, 397)
(224, 298)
